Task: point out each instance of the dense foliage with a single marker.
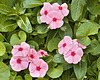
(20, 22)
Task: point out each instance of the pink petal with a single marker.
(14, 51)
(24, 65)
(42, 73)
(68, 40)
(69, 59)
(42, 11)
(55, 14)
(46, 19)
(32, 67)
(60, 23)
(35, 74)
(67, 48)
(53, 25)
(19, 53)
(25, 52)
(83, 47)
(16, 46)
(47, 6)
(25, 45)
(55, 6)
(65, 12)
(64, 5)
(61, 50)
(61, 43)
(79, 52)
(76, 59)
(44, 66)
(17, 67)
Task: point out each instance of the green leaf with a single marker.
(1, 37)
(86, 29)
(65, 30)
(66, 75)
(28, 77)
(4, 71)
(8, 2)
(99, 36)
(7, 25)
(17, 39)
(98, 63)
(67, 66)
(53, 44)
(94, 47)
(42, 29)
(33, 44)
(77, 8)
(2, 49)
(80, 70)
(24, 23)
(7, 10)
(55, 70)
(99, 76)
(18, 78)
(32, 3)
(8, 47)
(13, 75)
(93, 7)
(58, 58)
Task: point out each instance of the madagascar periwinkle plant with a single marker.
(49, 39)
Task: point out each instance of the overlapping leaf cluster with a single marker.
(20, 22)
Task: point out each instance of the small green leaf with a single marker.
(77, 8)
(17, 39)
(33, 44)
(86, 29)
(58, 58)
(65, 30)
(28, 77)
(4, 71)
(32, 3)
(99, 36)
(13, 75)
(1, 37)
(98, 63)
(18, 78)
(2, 49)
(80, 70)
(53, 44)
(24, 23)
(67, 66)
(7, 25)
(4, 9)
(42, 29)
(55, 72)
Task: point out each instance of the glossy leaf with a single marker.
(80, 70)
(24, 23)
(53, 44)
(2, 49)
(4, 71)
(32, 3)
(77, 8)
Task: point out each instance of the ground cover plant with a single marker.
(49, 39)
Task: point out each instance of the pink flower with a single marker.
(55, 19)
(65, 45)
(18, 63)
(21, 50)
(32, 56)
(74, 55)
(75, 41)
(42, 53)
(38, 68)
(44, 12)
(63, 8)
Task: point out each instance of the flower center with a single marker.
(20, 49)
(32, 56)
(73, 53)
(45, 12)
(64, 44)
(77, 41)
(54, 19)
(38, 68)
(19, 60)
(60, 8)
(42, 53)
